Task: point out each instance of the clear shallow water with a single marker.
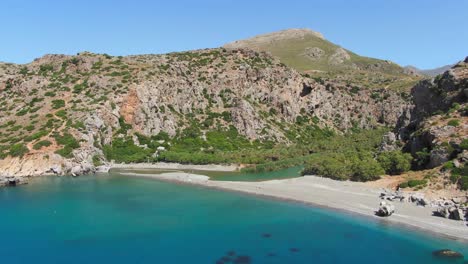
(117, 219)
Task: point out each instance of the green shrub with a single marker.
(448, 166)
(42, 143)
(29, 128)
(395, 162)
(464, 144)
(414, 183)
(22, 112)
(97, 161)
(422, 157)
(56, 104)
(403, 185)
(68, 142)
(36, 135)
(18, 150)
(454, 122)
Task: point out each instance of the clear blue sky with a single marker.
(424, 33)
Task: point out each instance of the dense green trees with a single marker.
(124, 150)
(395, 162)
(356, 166)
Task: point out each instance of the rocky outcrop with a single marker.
(437, 123)
(313, 53)
(451, 212)
(339, 57)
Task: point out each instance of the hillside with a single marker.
(69, 114)
(309, 52)
(435, 130)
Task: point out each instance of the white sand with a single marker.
(350, 196)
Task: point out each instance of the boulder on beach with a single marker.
(385, 209)
(453, 212)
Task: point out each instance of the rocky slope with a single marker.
(438, 123)
(435, 129)
(309, 52)
(58, 113)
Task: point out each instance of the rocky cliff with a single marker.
(59, 112)
(437, 125)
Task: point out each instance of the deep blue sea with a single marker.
(118, 219)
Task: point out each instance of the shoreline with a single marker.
(348, 197)
(175, 166)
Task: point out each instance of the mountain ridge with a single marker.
(309, 52)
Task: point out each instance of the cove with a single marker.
(118, 219)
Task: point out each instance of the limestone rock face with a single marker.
(103, 98)
(435, 123)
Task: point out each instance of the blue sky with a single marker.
(424, 33)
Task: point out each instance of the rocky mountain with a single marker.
(437, 71)
(429, 72)
(309, 52)
(435, 129)
(70, 114)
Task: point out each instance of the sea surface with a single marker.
(121, 219)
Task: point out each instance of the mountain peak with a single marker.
(293, 33)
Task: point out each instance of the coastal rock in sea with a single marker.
(12, 181)
(447, 253)
(76, 171)
(103, 168)
(84, 168)
(385, 209)
(56, 169)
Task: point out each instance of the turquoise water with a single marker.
(118, 219)
(288, 173)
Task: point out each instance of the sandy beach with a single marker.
(352, 197)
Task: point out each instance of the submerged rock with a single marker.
(386, 209)
(447, 253)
